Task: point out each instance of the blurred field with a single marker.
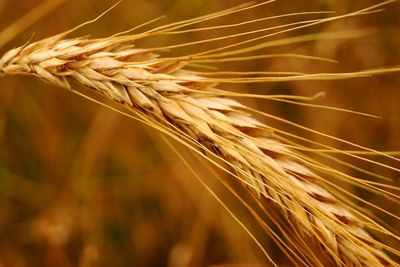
(81, 185)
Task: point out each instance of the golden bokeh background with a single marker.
(81, 185)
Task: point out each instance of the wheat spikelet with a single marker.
(188, 106)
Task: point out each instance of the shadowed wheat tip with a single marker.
(316, 227)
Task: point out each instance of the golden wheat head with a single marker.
(190, 107)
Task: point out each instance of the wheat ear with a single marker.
(190, 108)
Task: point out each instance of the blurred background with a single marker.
(81, 185)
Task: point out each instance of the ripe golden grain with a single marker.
(188, 106)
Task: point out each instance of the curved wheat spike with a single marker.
(190, 107)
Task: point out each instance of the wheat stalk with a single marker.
(188, 106)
